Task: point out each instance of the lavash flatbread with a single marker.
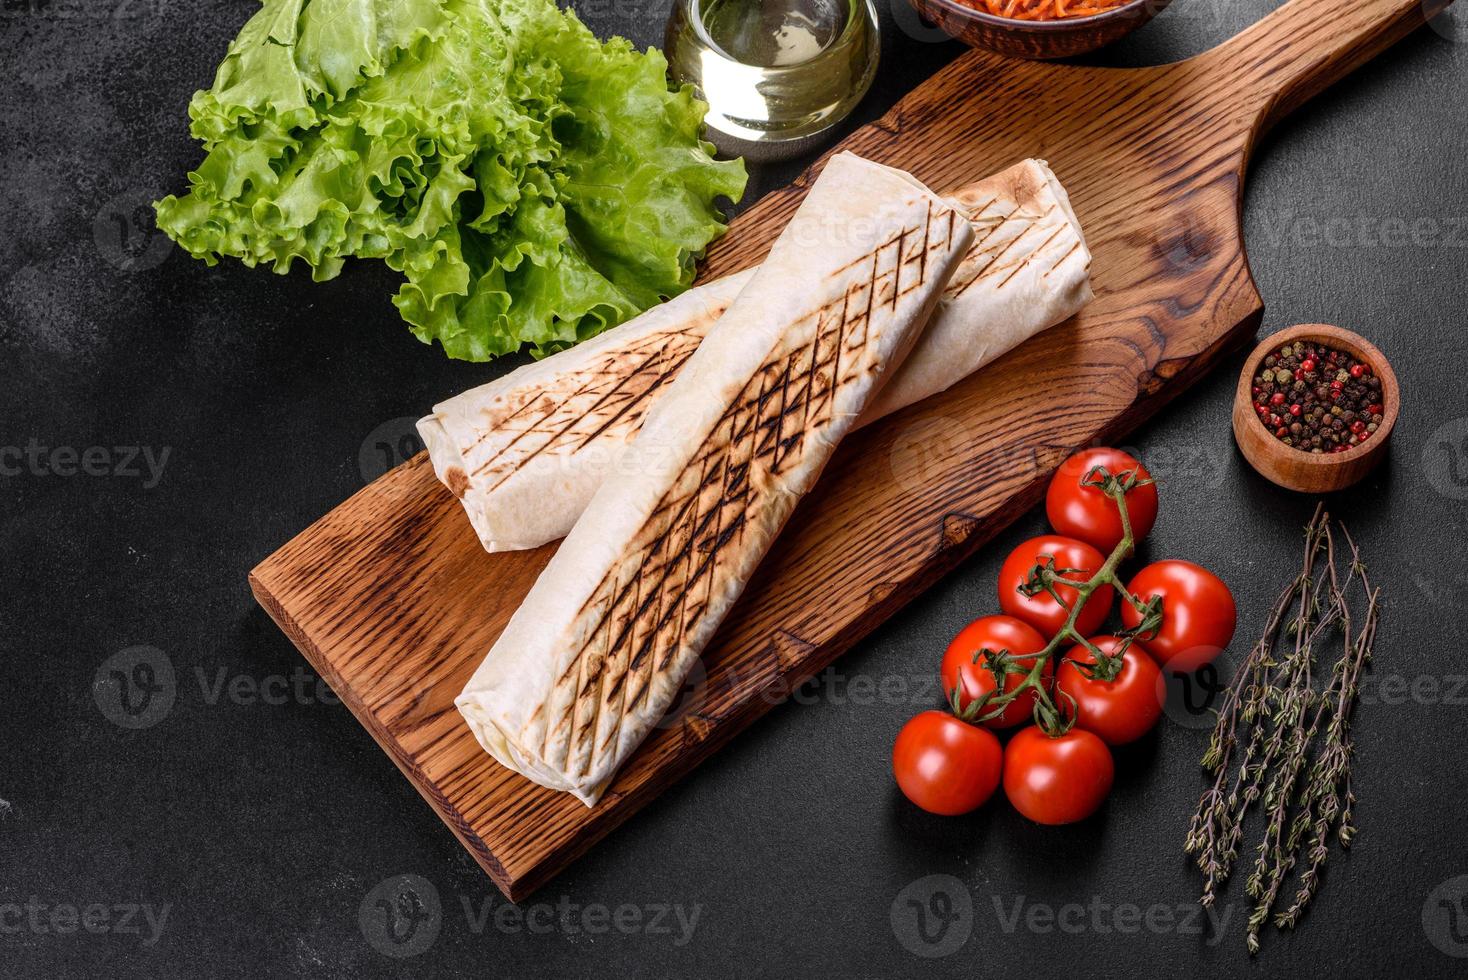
(525, 453)
(594, 655)
(1027, 270)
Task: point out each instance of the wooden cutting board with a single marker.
(393, 601)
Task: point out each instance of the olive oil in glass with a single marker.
(775, 73)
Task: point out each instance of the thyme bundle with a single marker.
(1283, 741)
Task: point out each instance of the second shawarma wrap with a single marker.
(525, 453)
(595, 654)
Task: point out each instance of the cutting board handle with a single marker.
(1304, 46)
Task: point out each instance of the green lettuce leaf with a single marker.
(533, 184)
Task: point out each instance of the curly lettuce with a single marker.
(533, 184)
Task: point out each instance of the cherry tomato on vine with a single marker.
(1088, 514)
(945, 765)
(1198, 613)
(1057, 780)
(1042, 611)
(974, 680)
(1120, 710)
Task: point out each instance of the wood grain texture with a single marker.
(392, 599)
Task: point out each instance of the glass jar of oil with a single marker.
(775, 73)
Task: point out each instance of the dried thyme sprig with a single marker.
(1296, 739)
(1328, 790)
(1217, 827)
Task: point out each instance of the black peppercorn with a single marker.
(1316, 398)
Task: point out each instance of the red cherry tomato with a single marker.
(1198, 613)
(1084, 512)
(974, 680)
(1122, 709)
(1041, 611)
(946, 765)
(1057, 780)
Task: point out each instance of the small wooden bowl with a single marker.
(1295, 469)
(1038, 40)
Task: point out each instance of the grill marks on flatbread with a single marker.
(638, 615)
(607, 399)
(1015, 222)
(670, 531)
(527, 453)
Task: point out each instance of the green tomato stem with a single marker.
(1105, 667)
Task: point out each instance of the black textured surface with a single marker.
(260, 824)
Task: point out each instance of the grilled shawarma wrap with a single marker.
(594, 656)
(1027, 270)
(525, 453)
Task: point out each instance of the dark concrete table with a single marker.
(165, 426)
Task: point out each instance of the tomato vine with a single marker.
(1046, 577)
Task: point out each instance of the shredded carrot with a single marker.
(1045, 9)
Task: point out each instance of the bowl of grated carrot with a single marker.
(1039, 29)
